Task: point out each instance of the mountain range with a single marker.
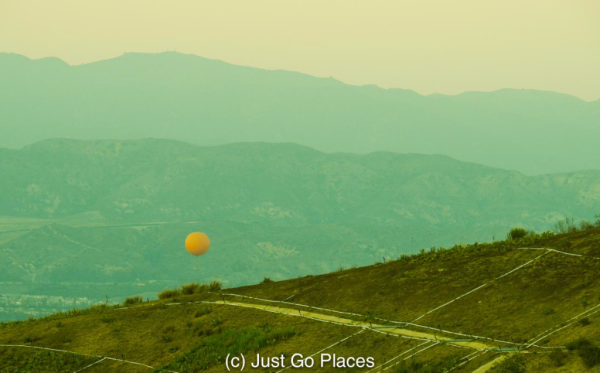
(281, 185)
(209, 102)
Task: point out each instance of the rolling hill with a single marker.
(209, 102)
(280, 184)
(528, 304)
(88, 220)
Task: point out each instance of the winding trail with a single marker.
(65, 237)
(394, 330)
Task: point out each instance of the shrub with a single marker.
(585, 225)
(584, 322)
(215, 285)
(476, 249)
(590, 355)
(516, 233)
(267, 280)
(191, 288)
(514, 364)
(202, 312)
(130, 301)
(578, 344)
(557, 357)
(201, 329)
(565, 226)
(404, 258)
(587, 351)
(169, 293)
(548, 311)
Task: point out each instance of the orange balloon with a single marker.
(197, 243)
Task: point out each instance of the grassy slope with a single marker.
(513, 307)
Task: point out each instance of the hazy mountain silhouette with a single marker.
(209, 102)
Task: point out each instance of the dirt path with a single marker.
(485, 367)
(370, 326)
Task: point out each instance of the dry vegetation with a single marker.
(190, 336)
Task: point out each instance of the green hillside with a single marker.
(95, 262)
(527, 304)
(86, 220)
(280, 184)
(209, 102)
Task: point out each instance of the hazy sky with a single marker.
(446, 46)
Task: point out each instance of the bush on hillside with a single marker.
(169, 293)
(557, 356)
(193, 288)
(202, 312)
(577, 344)
(587, 351)
(585, 225)
(548, 311)
(190, 289)
(565, 226)
(267, 280)
(568, 225)
(130, 301)
(584, 322)
(215, 285)
(514, 364)
(516, 233)
(466, 251)
(590, 355)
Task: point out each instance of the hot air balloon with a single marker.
(197, 243)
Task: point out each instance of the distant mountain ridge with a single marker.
(280, 184)
(209, 102)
